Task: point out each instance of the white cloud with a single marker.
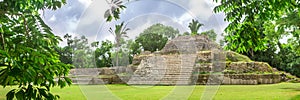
(201, 9)
(72, 24)
(86, 3)
(186, 17)
(134, 32)
(91, 19)
(109, 37)
(86, 17)
(140, 23)
(52, 19)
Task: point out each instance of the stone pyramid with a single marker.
(184, 56)
(174, 64)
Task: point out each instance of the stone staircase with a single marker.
(180, 69)
(175, 69)
(85, 76)
(174, 64)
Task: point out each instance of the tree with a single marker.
(119, 32)
(27, 55)
(82, 53)
(247, 21)
(65, 54)
(134, 49)
(256, 28)
(211, 34)
(186, 34)
(77, 52)
(195, 26)
(152, 42)
(115, 9)
(156, 36)
(123, 57)
(166, 31)
(103, 54)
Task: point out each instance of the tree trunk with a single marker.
(117, 57)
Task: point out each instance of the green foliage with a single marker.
(186, 34)
(103, 54)
(247, 17)
(286, 59)
(247, 38)
(236, 57)
(211, 34)
(166, 31)
(115, 9)
(256, 28)
(77, 52)
(195, 26)
(152, 42)
(155, 37)
(222, 42)
(122, 56)
(119, 32)
(65, 54)
(278, 55)
(83, 55)
(238, 12)
(134, 49)
(27, 55)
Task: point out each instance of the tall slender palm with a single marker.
(119, 32)
(195, 26)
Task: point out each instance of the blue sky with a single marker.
(86, 17)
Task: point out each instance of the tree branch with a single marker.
(3, 41)
(18, 14)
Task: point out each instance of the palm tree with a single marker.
(119, 32)
(114, 11)
(195, 26)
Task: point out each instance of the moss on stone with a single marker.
(236, 57)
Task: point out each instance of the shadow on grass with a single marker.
(292, 88)
(297, 97)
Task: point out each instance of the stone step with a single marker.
(160, 83)
(176, 77)
(162, 80)
(138, 78)
(136, 81)
(178, 69)
(88, 81)
(175, 80)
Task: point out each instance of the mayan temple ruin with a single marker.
(187, 60)
(174, 64)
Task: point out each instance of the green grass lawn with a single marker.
(282, 91)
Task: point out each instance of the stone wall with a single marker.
(82, 77)
(189, 44)
(115, 79)
(237, 67)
(226, 79)
(240, 79)
(101, 75)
